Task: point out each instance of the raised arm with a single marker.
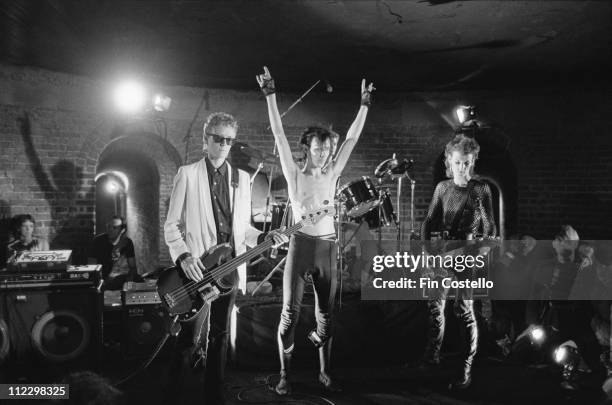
(355, 130)
(266, 83)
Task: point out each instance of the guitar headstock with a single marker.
(313, 216)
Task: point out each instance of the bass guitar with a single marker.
(183, 298)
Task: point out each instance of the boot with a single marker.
(284, 386)
(465, 310)
(325, 361)
(463, 381)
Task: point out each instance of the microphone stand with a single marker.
(299, 100)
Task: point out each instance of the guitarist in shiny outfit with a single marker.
(460, 208)
(210, 205)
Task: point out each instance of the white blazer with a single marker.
(190, 224)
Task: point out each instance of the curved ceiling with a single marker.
(401, 45)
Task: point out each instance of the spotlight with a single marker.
(119, 178)
(567, 354)
(561, 354)
(537, 334)
(465, 113)
(161, 102)
(112, 187)
(130, 97)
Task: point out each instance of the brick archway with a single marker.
(152, 163)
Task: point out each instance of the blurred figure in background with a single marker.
(23, 232)
(115, 252)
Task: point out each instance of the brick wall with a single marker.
(54, 128)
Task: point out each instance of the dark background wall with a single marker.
(553, 144)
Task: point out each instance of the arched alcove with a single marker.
(147, 163)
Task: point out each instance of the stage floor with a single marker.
(494, 382)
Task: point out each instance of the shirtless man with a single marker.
(313, 250)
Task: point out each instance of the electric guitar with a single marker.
(183, 298)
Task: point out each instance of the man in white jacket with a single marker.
(210, 205)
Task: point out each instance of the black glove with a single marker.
(367, 98)
(267, 85)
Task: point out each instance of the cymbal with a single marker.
(403, 167)
(393, 169)
(385, 167)
(266, 157)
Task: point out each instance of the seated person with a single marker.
(115, 252)
(23, 232)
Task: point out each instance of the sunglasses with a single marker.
(109, 226)
(221, 140)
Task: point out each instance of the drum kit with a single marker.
(368, 201)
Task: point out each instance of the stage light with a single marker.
(561, 354)
(161, 102)
(130, 97)
(537, 334)
(465, 113)
(112, 187)
(120, 178)
(567, 354)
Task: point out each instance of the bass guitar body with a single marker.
(183, 297)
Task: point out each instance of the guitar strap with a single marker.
(455, 225)
(235, 183)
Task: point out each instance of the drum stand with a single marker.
(339, 241)
(398, 216)
(281, 264)
(413, 234)
(398, 222)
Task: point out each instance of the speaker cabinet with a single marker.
(50, 332)
(144, 327)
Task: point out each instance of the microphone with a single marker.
(328, 86)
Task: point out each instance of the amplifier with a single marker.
(49, 332)
(75, 276)
(143, 328)
(140, 293)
